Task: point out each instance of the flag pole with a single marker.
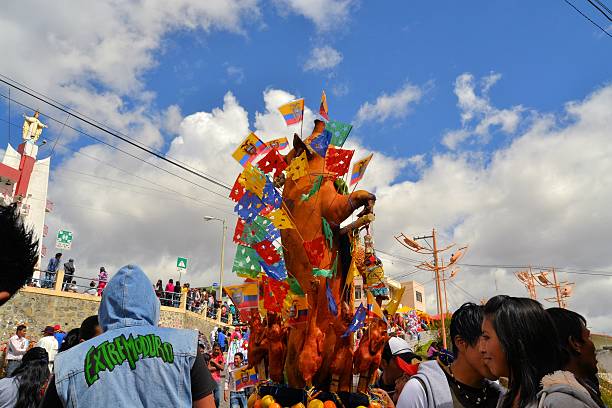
(302, 124)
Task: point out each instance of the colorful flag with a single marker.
(272, 162)
(249, 206)
(278, 271)
(267, 252)
(246, 262)
(294, 286)
(359, 169)
(374, 309)
(298, 312)
(271, 196)
(352, 272)
(293, 111)
(327, 232)
(313, 190)
(340, 132)
(244, 297)
(331, 302)
(315, 250)
(244, 377)
(338, 160)
(320, 143)
(239, 231)
(326, 273)
(357, 322)
(323, 110)
(238, 190)
(280, 219)
(395, 301)
(250, 147)
(278, 144)
(298, 167)
(253, 179)
(255, 231)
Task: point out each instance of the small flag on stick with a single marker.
(359, 169)
(323, 110)
(293, 112)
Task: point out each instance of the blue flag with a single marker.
(331, 302)
(320, 143)
(249, 207)
(271, 196)
(357, 322)
(277, 271)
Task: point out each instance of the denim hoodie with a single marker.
(133, 363)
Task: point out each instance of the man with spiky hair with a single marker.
(18, 252)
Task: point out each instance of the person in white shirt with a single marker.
(17, 347)
(49, 343)
(238, 399)
(92, 289)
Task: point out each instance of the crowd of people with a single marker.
(48, 277)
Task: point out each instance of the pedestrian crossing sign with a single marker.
(181, 264)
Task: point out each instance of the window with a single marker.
(419, 296)
(357, 292)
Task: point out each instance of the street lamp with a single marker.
(209, 218)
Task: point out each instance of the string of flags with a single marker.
(262, 215)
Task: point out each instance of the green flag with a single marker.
(340, 132)
(327, 232)
(256, 231)
(326, 273)
(246, 262)
(315, 187)
(294, 286)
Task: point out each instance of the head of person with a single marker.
(71, 340)
(90, 328)
(238, 359)
(465, 331)
(92, 284)
(18, 252)
(577, 348)
(216, 349)
(178, 284)
(128, 300)
(170, 281)
(159, 282)
(48, 331)
(71, 260)
(21, 330)
(397, 359)
(33, 372)
(58, 255)
(57, 328)
(519, 341)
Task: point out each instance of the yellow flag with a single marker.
(352, 272)
(373, 307)
(394, 303)
(254, 180)
(298, 167)
(280, 219)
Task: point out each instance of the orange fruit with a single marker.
(315, 403)
(375, 404)
(329, 404)
(298, 405)
(258, 404)
(267, 401)
(274, 405)
(251, 400)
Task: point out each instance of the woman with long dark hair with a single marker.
(23, 389)
(519, 342)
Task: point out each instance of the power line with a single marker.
(600, 10)
(587, 17)
(119, 149)
(604, 6)
(120, 137)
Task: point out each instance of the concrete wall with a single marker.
(37, 308)
(410, 295)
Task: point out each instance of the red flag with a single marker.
(238, 231)
(338, 160)
(267, 251)
(315, 250)
(275, 293)
(323, 110)
(272, 162)
(238, 190)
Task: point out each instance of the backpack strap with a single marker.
(420, 380)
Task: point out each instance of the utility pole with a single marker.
(526, 277)
(563, 290)
(436, 267)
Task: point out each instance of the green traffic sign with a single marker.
(181, 263)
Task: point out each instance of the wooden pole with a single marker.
(557, 287)
(438, 288)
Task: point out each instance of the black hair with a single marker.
(386, 354)
(216, 345)
(70, 340)
(467, 323)
(529, 340)
(32, 373)
(58, 255)
(18, 252)
(568, 324)
(239, 354)
(88, 328)
(21, 327)
(92, 284)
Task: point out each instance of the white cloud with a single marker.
(340, 89)
(325, 14)
(236, 74)
(478, 115)
(397, 105)
(542, 200)
(323, 58)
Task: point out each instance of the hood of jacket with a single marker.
(128, 300)
(563, 386)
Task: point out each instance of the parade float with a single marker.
(299, 252)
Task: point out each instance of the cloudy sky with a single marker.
(490, 122)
